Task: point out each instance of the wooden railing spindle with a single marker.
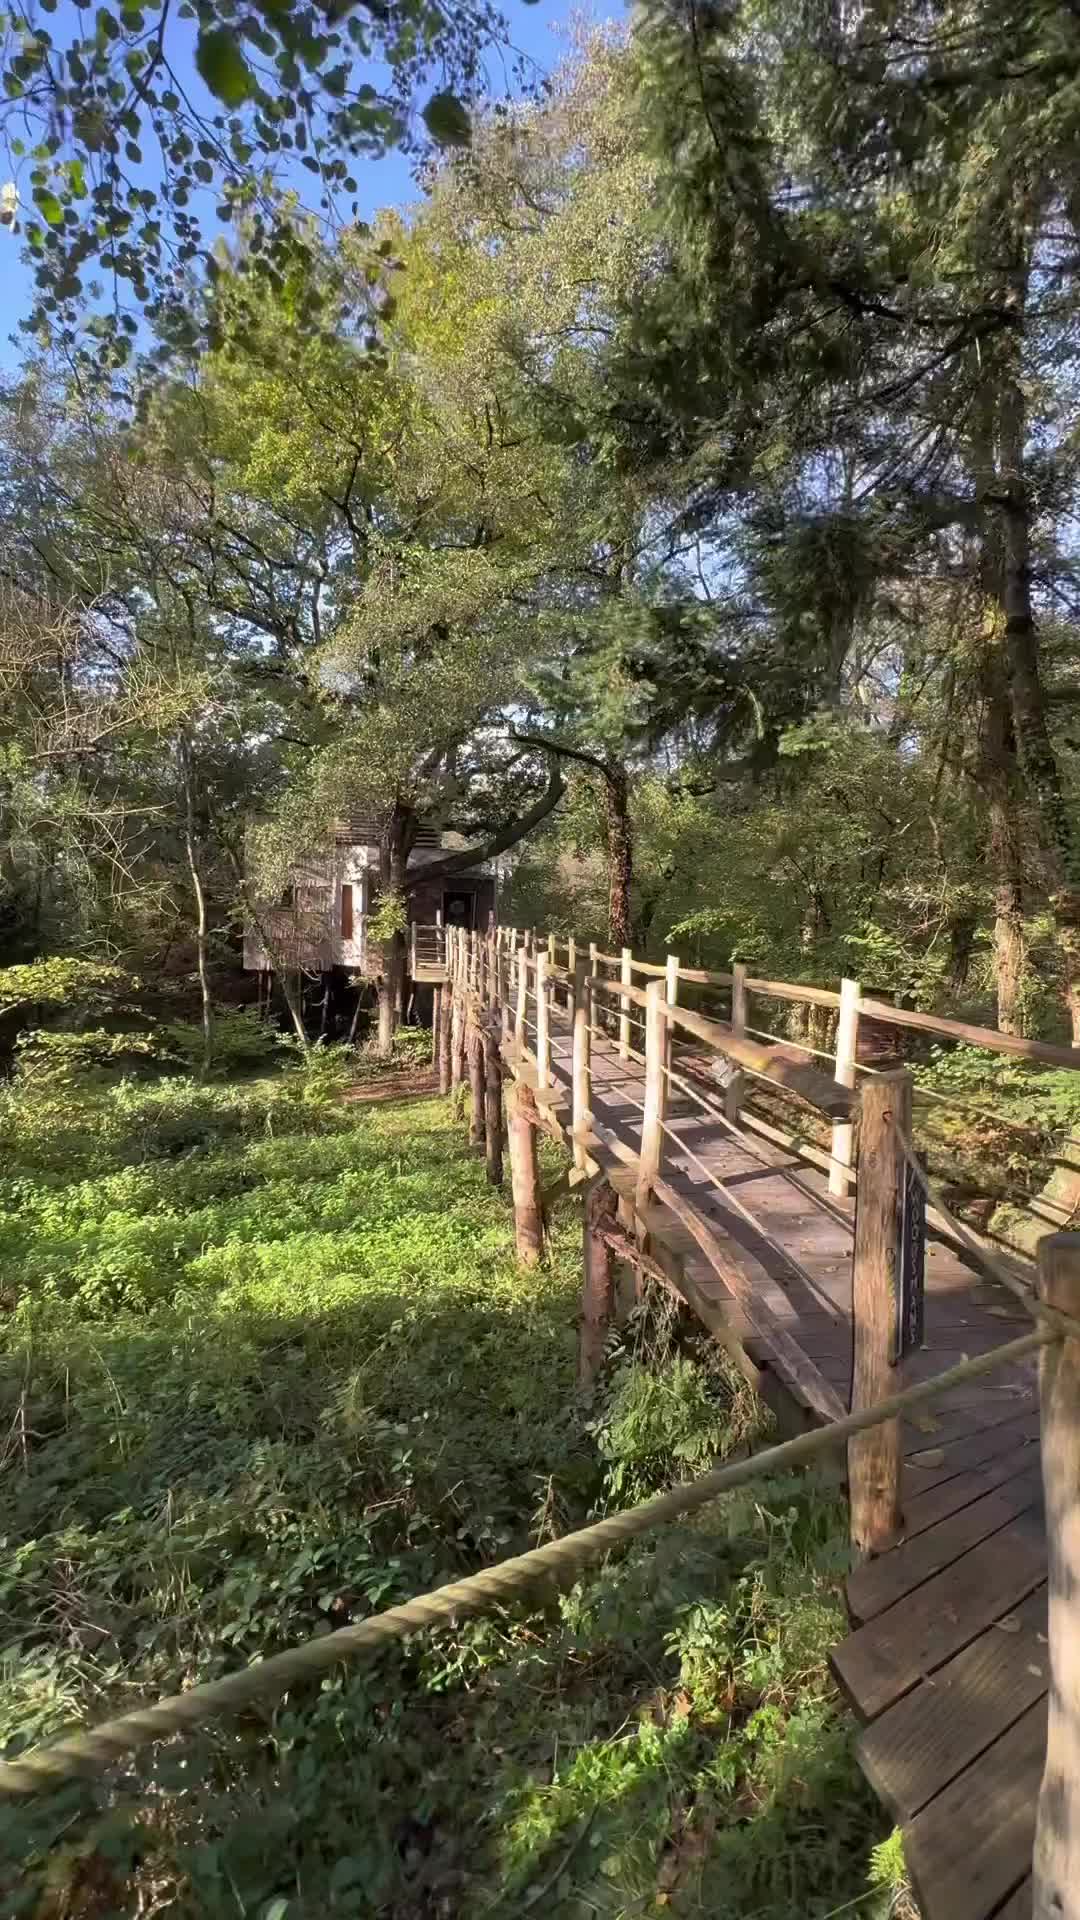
(626, 976)
(581, 1078)
(522, 993)
(652, 1120)
(734, 1089)
(543, 1036)
(847, 1042)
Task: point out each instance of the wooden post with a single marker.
(521, 1127)
(598, 1289)
(522, 992)
(582, 1085)
(626, 975)
(493, 1118)
(477, 1084)
(1056, 1868)
(733, 1091)
(652, 1120)
(551, 950)
(445, 1048)
(847, 1040)
(457, 1041)
(874, 1457)
(503, 977)
(436, 1024)
(671, 978)
(543, 1035)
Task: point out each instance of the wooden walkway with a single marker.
(947, 1662)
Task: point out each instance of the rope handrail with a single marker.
(97, 1747)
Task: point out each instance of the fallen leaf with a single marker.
(926, 1423)
(929, 1457)
(1037, 1671)
(1010, 1624)
(1004, 1313)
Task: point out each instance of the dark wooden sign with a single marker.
(911, 1266)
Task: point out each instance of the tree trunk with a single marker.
(191, 849)
(962, 930)
(1035, 749)
(278, 961)
(620, 853)
(1009, 962)
(1006, 857)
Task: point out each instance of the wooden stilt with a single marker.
(493, 1115)
(457, 1041)
(445, 1039)
(598, 1290)
(521, 1120)
(436, 1024)
(478, 1096)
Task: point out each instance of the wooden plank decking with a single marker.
(946, 1664)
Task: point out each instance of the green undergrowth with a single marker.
(269, 1366)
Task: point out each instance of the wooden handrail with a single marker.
(618, 990)
(772, 1063)
(962, 1031)
(792, 990)
(975, 1036)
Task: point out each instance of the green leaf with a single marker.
(49, 207)
(447, 120)
(223, 67)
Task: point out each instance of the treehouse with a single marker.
(318, 926)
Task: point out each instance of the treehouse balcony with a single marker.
(427, 954)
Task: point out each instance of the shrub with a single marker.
(241, 1039)
(64, 982)
(61, 1059)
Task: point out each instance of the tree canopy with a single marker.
(695, 457)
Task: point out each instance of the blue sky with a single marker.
(537, 32)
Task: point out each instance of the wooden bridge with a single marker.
(751, 1220)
